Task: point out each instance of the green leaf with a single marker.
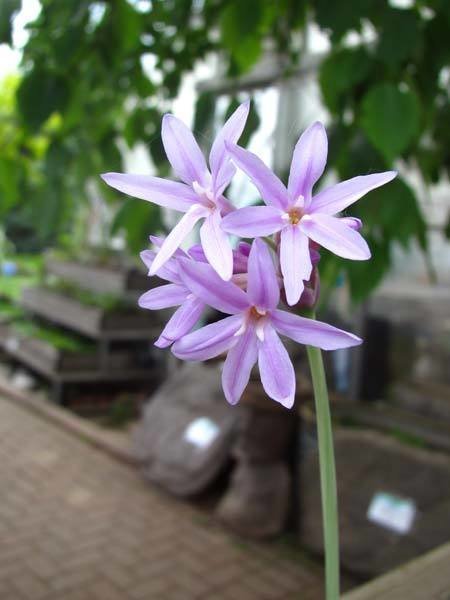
(340, 72)
(204, 114)
(365, 275)
(7, 10)
(400, 35)
(391, 118)
(137, 219)
(41, 93)
(340, 17)
(9, 184)
(393, 211)
(241, 24)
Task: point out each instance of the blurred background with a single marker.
(83, 88)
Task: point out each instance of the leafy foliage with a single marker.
(111, 74)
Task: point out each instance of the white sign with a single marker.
(392, 512)
(201, 432)
(12, 344)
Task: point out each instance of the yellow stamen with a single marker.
(295, 215)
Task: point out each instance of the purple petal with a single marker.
(219, 159)
(217, 246)
(269, 186)
(275, 368)
(158, 241)
(163, 297)
(204, 283)
(163, 342)
(163, 192)
(181, 322)
(169, 271)
(147, 257)
(244, 248)
(209, 341)
(254, 221)
(262, 289)
(337, 197)
(197, 253)
(295, 262)
(337, 237)
(183, 152)
(177, 235)
(308, 162)
(352, 222)
(311, 332)
(238, 365)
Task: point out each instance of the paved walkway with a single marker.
(77, 525)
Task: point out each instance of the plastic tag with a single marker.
(392, 512)
(201, 432)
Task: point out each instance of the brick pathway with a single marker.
(77, 525)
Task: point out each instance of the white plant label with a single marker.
(12, 344)
(393, 512)
(201, 432)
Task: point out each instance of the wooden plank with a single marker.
(427, 577)
(433, 431)
(122, 281)
(91, 321)
(88, 277)
(62, 310)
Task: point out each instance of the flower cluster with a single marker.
(249, 282)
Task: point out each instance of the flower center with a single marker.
(206, 195)
(257, 313)
(295, 215)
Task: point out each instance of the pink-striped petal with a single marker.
(339, 196)
(295, 262)
(181, 322)
(254, 221)
(262, 288)
(163, 296)
(209, 341)
(219, 160)
(216, 246)
(170, 194)
(337, 237)
(183, 152)
(269, 186)
(204, 283)
(238, 365)
(308, 162)
(275, 368)
(177, 235)
(311, 332)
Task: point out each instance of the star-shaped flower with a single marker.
(296, 214)
(250, 334)
(201, 194)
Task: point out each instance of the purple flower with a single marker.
(174, 293)
(296, 214)
(200, 196)
(177, 294)
(250, 333)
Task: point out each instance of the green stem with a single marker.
(327, 473)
